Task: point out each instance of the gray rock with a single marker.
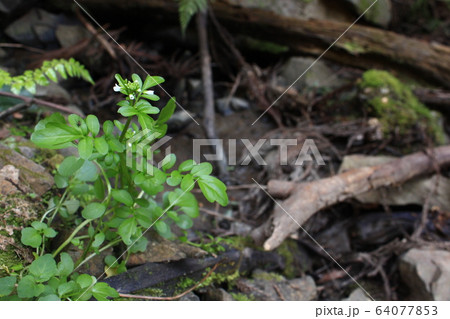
(318, 76)
(28, 152)
(226, 105)
(273, 287)
(217, 294)
(190, 297)
(8, 6)
(34, 28)
(380, 14)
(32, 175)
(427, 274)
(68, 35)
(357, 295)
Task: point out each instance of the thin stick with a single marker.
(174, 297)
(215, 214)
(29, 100)
(21, 46)
(13, 109)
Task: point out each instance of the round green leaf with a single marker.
(31, 237)
(184, 222)
(93, 210)
(85, 147)
(7, 285)
(101, 145)
(43, 268)
(202, 169)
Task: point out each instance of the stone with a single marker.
(226, 105)
(357, 295)
(31, 175)
(8, 6)
(190, 297)
(427, 274)
(36, 27)
(69, 35)
(318, 76)
(28, 152)
(9, 178)
(274, 287)
(379, 14)
(217, 294)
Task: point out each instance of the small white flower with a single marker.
(116, 88)
(149, 92)
(131, 96)
(139, 90)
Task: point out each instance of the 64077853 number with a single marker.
(407, 310)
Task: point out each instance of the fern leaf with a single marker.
(41, 76)
(188, 8)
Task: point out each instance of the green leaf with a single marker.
(50, 232)
(87, 173)
(51, 297)
(136, 78)
(69, 166)
(67, 288)
(213, 189)
(31, 237)
(108, 127)
(98, 240)
(38, 225)
(151, 81)
(163, 229)
(127, 229)
(201, 169)
(169, 161)
(93, 210)
(167, 111)
(66, 265)
(43, 268)
(54, 137)
(186, 165)
(174, 179)
(139, 246)
(122, 196)
(102, 291)
(93, 124)
(99, 188)
(101, 145)
(184, 222)
(144, 217)
(85, 280)
(145, 107)
(187, 183)
(127, 111)
(7, 285)
(27, 287)
(72, 205)
(85, 147)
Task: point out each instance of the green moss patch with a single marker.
(397, 108)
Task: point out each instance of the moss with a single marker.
(397, 107)
(242, 297)
(353, 47)
(286, 250)
(268, 276)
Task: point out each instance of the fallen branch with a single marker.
(174, 297)
(305, 199)
(29, 101)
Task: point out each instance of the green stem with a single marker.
(95, 254)
(125, 129)
(68, 240)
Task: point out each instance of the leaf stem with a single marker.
(68, 240)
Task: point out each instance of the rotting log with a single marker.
(362, 46)
(305, 199)
(165, 276)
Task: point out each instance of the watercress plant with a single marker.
(108, 198)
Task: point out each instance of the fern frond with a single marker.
(188, 8)
(41, 76)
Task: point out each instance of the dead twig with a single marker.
(174, 297)
(306, 199)
(29, 101)
(13, 109)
